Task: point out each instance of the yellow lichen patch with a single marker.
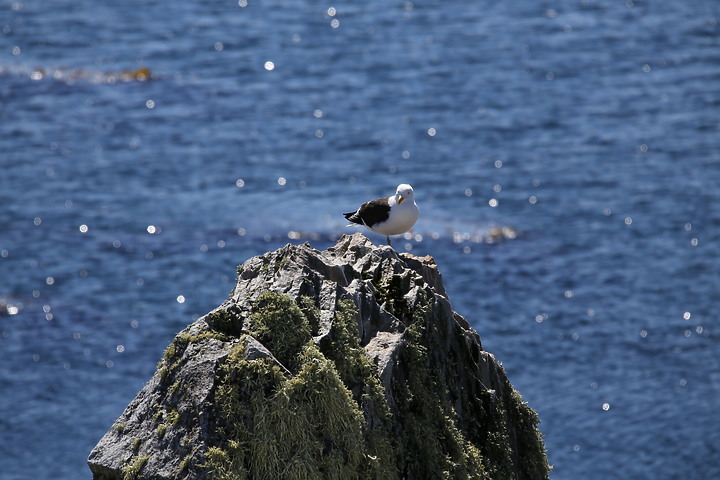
(132, 471)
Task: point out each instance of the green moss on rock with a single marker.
(280, 325)
(304, 426)
(132, 470)
(312, 313)
(224, 321)
(184, 465)
(315, 422)
(432, 446)
(360, 376)
(390, 293)
(173, 356)
(531, 449)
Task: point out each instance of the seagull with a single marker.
(387, 216)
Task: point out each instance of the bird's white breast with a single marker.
(402, 218)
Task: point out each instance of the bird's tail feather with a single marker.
(352, 216)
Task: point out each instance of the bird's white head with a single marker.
(404, 192)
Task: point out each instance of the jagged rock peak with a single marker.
(344, 363)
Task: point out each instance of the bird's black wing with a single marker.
(370, 213)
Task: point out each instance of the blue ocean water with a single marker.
(589, 130)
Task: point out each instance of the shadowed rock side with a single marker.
(347, 363)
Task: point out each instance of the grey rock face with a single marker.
(418, 395)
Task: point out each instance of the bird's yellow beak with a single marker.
(400, 198)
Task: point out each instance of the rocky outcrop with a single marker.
(346, 363)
